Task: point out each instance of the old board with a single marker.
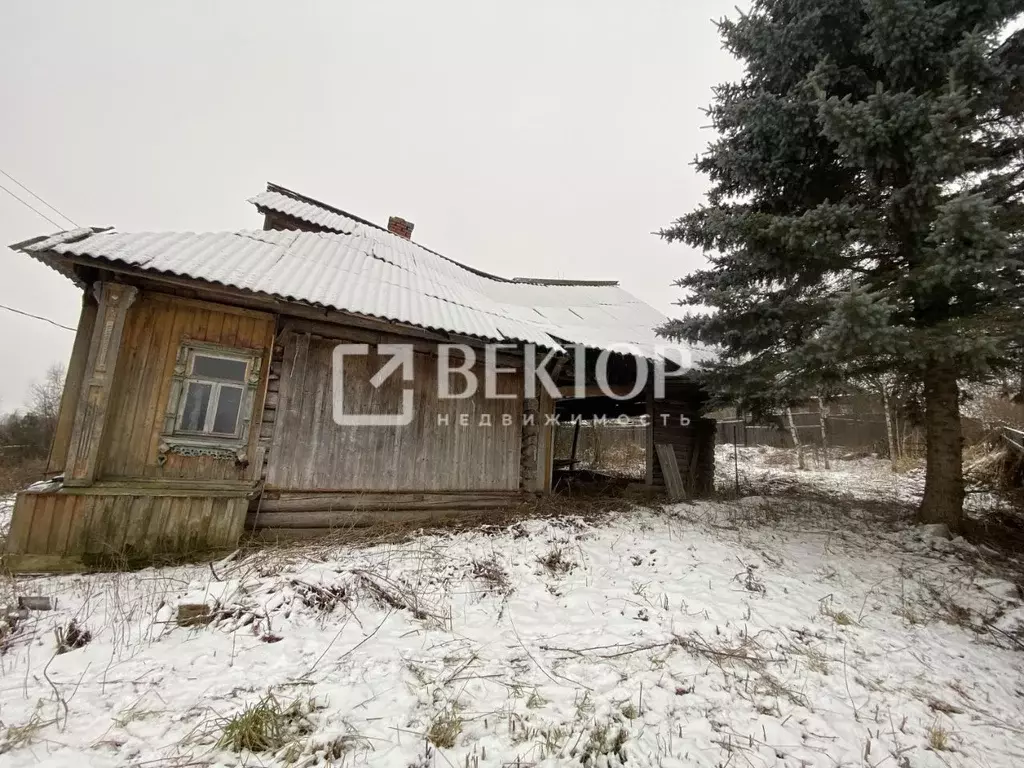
(670, 471)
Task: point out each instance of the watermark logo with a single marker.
(459, 374)
(401, 359)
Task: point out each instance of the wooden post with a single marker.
(736, 457)
(530, 447)
(649, 479)
(97, 382)
(575, 442)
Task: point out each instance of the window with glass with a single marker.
(211, 401)
(213, 392)
(214, 387)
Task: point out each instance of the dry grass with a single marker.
(18, 736)
(839, 616)
(907, 463)
(938, 738)
(779, 459)
(265, 726)
(603, 741)
(556, 563)
(445, 728)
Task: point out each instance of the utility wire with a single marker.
(37, 317)
(37, 197)
(33, 208)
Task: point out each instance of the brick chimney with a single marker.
(400, 227)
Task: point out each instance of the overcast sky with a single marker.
(545, 139)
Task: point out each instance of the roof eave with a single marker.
(64, 264)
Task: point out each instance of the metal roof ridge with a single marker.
(565, 283)
(272, 187)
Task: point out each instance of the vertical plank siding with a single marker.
(446, 447)
(54, 530)
(156, 327)
(95, 404)
(72, 387)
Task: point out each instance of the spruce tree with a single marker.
(865, 212)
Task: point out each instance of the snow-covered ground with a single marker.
(771, 630)
(773, 470)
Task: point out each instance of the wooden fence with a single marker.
(865, 433)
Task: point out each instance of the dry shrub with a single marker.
(626, 458)
(73, 636)
(494, 576)
(556, 562)
(994, 410)
(779, 459)
(18, 474)
(906, 463)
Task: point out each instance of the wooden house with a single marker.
(200, 393)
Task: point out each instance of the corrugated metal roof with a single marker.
(370, 271)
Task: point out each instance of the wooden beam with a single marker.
(649, 439)
(575, 442)
(362, 335)
(92, 411)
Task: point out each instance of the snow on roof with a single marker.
(360, 268)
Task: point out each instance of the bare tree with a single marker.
(823, 414)
(45, 399)
(796, 439)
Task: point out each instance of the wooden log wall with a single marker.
(72, 530)
(325, 513)
(444, 448)
(270, 406)
(529, 455)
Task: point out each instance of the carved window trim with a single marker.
(174, 440)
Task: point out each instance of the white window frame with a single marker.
(215, 389)
(174, 439)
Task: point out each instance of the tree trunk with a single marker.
(822, 418)
(943, 500)
(796, 439)
(890, 436)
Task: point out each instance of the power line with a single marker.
(32, 208)
(37, 317)
(37, 197)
